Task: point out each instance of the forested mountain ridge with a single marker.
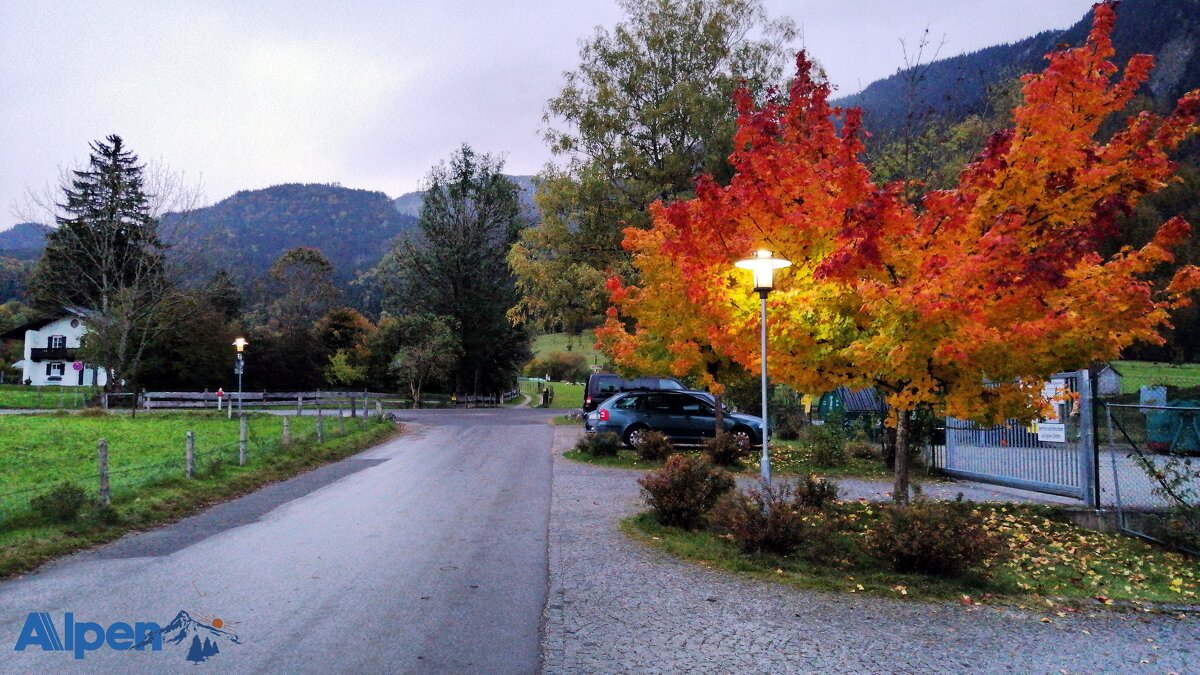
(24, 241)
(958, 86)
(245, 233)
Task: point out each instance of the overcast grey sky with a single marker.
(367, 93)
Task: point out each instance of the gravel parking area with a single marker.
(618, 606)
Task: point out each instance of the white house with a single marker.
(51, 352)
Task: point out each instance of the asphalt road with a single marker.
(427, 554)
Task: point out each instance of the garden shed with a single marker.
(853, 404)
(1108, 381)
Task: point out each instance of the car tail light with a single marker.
(603, 415)
(587, 401)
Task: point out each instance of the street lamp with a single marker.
(763, 265)
(238, 367)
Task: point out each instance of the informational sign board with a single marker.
(1051, 432)
(1051, 428)
(77, 366)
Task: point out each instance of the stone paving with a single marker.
(618, 606)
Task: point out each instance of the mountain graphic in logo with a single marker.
(205, 637)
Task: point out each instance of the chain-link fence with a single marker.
(123, 469)
(1149, 466)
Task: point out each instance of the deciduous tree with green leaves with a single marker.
(647, 110)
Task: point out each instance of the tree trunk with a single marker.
(900, 488)
(719, 417)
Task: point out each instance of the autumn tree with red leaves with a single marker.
(965, 299)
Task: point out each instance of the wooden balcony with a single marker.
(53, 354)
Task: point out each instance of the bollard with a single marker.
(189, 453)
(242, 441)
(287, 431)
(378, 410)
(102, 447)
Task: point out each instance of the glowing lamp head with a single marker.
(763, 265)
(240, 343)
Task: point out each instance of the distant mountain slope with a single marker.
(23, 241)
(409, 203)
(1168, 29)
(245, 233)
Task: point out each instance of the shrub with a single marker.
(788, 426)
(61, 504)
(826, 446)
(725, 450)
(815, 492)
(599, 445)
(937, 538)
(683, 492)
(863, 450)
(560, 366)
(654, 446)
(773, 520)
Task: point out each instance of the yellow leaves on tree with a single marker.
(1000, 279)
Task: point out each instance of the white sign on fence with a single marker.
(1054, 433)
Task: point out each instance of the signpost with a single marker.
(238, 367)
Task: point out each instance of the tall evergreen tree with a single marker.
(457, 267)
(106, 256)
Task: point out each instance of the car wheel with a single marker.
(634, 435)
(743, 436)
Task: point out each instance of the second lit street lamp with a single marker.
(238, 367)
(763, 264)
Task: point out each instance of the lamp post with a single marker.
(763, 265)
(238, 367)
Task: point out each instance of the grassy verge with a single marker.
(147, 494)
(564, 421)
(1049, 564)
(787, 458)
(49, 397)
(544, 345)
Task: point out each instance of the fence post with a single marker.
(378, 409)
(366, 404)
(102, 448)
(1088, 449)
(287, 431)
(341, 424)
(300, 403)
(320, 426)
(242, 441)
(353, 407)
(189, 453)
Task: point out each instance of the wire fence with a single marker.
(120, 474)
(1150, 471)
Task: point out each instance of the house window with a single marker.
(57, 342)
(54, 371)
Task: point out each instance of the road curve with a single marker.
(426, 554)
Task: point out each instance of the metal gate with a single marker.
(1014, 455)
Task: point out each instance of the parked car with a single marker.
(686, 417)
(601, 386)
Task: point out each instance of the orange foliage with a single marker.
(999, 279)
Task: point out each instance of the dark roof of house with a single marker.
(861, 401)
(18, 333)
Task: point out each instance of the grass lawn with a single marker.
(787, 457)
(47, 397)
(1136, 374)
(544, 345)
(567, 396)
(1048, 564)
(146, 460)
